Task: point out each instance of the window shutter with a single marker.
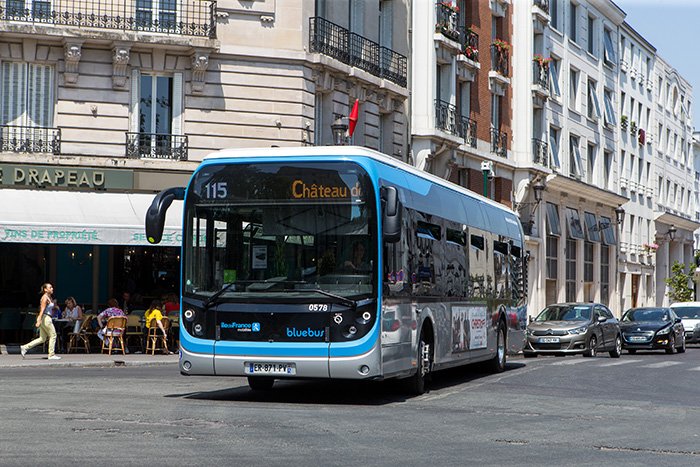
(13, 95)
(135, 96)
(177, 104)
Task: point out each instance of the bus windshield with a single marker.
(275, 232)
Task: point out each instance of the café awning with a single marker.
(78, 217)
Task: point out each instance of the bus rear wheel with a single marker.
(498, 363)
(260, 383)
(416, 384)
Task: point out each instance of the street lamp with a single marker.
(672, 232)
(619, 214)
(487, 170)
(339, 128)
(538, 188)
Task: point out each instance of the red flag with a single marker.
(354, 113)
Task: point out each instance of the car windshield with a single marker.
(646, 314)
(688, 312)
(565, 313)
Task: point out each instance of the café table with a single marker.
(61, 324)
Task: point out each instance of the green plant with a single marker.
(679, 289)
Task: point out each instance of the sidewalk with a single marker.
(86, 360)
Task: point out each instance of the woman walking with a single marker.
(45, 325)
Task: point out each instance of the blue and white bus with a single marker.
(341, 262)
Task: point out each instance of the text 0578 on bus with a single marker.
(341, 262)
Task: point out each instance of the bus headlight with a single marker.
(189, 315)
(198, 329)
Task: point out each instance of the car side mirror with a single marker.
(602, 319)
(529, 320)
(391, 214)
(677, 320)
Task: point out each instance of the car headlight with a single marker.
(579, 330)
(663, 332)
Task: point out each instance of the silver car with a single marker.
(573, 328)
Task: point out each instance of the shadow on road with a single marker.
(345, 392)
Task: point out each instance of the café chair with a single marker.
(115, 329)
(134, 330)
(155, 338)
(80, 339)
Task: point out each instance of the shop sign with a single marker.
(94, 236)
(40, 176)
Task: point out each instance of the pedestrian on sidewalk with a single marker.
(45, 324)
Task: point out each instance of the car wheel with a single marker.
(416, 384)
(681, 349)
(617, 351)
(592, 344)
(671, 344)
(260, 383)
(498, 362)
(631, 351)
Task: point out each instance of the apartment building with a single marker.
(566, 145)
(637, 166)
(461, 93)
(675, 203)
(104, 104)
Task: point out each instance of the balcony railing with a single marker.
(466, 128)
(335, 41)
(470, 43)
(30, 139)
(156, 146)
(540, 153)
(446, 24)
(540, 74)
(499, 140)
(499, 59)
(183, 17)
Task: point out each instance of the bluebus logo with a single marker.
(308, 332)
(242, 327)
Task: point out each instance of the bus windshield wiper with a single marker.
(343, 300)
(217, 294)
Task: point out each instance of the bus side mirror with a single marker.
(155, 215)
(391, 213)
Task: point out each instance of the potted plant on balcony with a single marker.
(501, 45)
(543, 62)
(623, 122)
(651, 247)
(452, 6)
(471, 52)
(633, 128)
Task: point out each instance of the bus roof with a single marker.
(347, 151)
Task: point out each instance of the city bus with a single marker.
(342, 263)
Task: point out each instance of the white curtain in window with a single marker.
(13, 93)
(40, 96)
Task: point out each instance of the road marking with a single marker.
(573, 362)
(660, 364)
(620, 362)
(697, 368)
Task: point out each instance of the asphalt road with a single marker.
(640, 409)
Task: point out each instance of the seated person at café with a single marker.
(170, 303)
(73, 313)
(154, 312)
(112, 310)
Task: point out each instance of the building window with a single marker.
(604, 274)
(591, 35)
(570, 270)
(495, 111)
(610, 119)
(26, 95)
(592, 227)
(386, 133)
(554, 147)
(573, 20)
(607, 168)
(593, 105)
(608, 229)
(159, 14)
(573, 89)
(554, 13)
(573, 224)
(575, 163)
(591, 163)
(588, 262)
(609, 56)
(554, 68)
(552, 246)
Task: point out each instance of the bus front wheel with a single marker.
(260, 383)
(416, 384)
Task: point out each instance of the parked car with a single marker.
(689, 313)
(573, 328)
(652, 328)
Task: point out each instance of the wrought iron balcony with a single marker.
(156, 146)
(183, 17)
(499, 141)
(540, 153)
(352, 49)
(499, 59)
(540, 74)
(466, 128)
(470, 43)
(446, 21)
(30, 139)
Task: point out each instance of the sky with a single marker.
(673, 27)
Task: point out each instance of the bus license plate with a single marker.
(549, 340)
(256, 368)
